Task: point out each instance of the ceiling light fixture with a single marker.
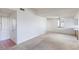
(22, 9)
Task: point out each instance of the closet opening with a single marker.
(8, 28)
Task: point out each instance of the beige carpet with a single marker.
(50, 41)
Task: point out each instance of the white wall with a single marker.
(13, 29)
(29, 26)
(68, 26)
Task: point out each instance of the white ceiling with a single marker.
(55, 12)
(46, 12)
(7, 12)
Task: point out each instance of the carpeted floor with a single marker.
(50, 41)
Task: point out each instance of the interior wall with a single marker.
(29, 26)
(78, 28)
(68, 26)
(77, 17)
(13, 32)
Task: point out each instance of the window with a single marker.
(60, 23)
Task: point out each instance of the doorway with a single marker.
(7, 27)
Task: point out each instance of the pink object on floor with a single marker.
(7, 43)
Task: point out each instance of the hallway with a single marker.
(50, 41)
